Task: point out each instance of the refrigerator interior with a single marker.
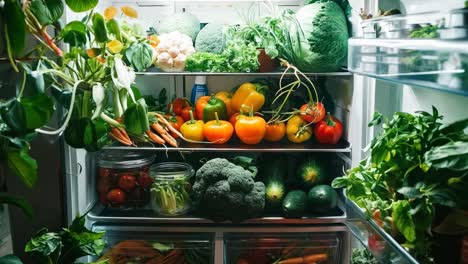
(355, 97)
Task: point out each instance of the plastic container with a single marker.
(170, 192)
(199, 89)
(123, 178)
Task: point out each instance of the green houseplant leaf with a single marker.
(74, 33)
(47, 12)
(18, 202)
(38, 109)
(45, 245)
(140, 56)
(22, 165)
(81, 5)
(15, 27)
(10, 259)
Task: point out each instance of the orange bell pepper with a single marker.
(250, 129)
(249, 94)
(275, 132)
(206, 106)
(217, 131)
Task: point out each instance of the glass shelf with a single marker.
(102, 214)
(157, 72)
(237, 146)
(428, 63)
(375, 239)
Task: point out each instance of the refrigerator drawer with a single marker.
(274, 248)
(140, 246)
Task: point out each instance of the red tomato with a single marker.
(104, 185)
(145, 180)
(185, 114)
(104, 172)
(328, 130)
(375, 243)
(177, 105)
(127, 182)
(312, 112)
(116, 197)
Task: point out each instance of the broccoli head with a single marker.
(239, 179)
(224, 190)
(255, 200)
(210, 172)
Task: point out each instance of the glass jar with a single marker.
(123, 178)
(170, 192)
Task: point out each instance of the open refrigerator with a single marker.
(382, 70)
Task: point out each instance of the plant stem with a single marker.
(23, 84)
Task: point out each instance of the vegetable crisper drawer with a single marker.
(143, 247)
(267, 248)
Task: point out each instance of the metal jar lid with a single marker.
(116, 159)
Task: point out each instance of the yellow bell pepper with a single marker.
(193, 129)
(226, 97)
(249, 95)
(297, 130)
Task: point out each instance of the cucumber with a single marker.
(322, 198)
(274, 194)
(310, 173)
(295, 204)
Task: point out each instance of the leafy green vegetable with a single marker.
(416, 167)
(211, 39)
(140, 56)
(47, 12)
(235, 58)
(426, 32)
(135, 118)
(453, 156)
(363, 256)
(404, 220)
(317, 37)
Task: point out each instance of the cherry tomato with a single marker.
(312, 112)
(145, 180)
(127, 182)
(104, 185)
(375, 243)
(104, 172)
(116, 197)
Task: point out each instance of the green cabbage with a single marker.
(185, 23)
(211, 39)
(317, 37)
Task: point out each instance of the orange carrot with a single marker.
(155, 138)
(124, 134)
(315, 258)
(163, 133)
(298, 260)
(118, 138)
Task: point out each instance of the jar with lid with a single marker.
(170, 192)
(123, 178)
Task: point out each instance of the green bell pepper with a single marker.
(207, 106)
